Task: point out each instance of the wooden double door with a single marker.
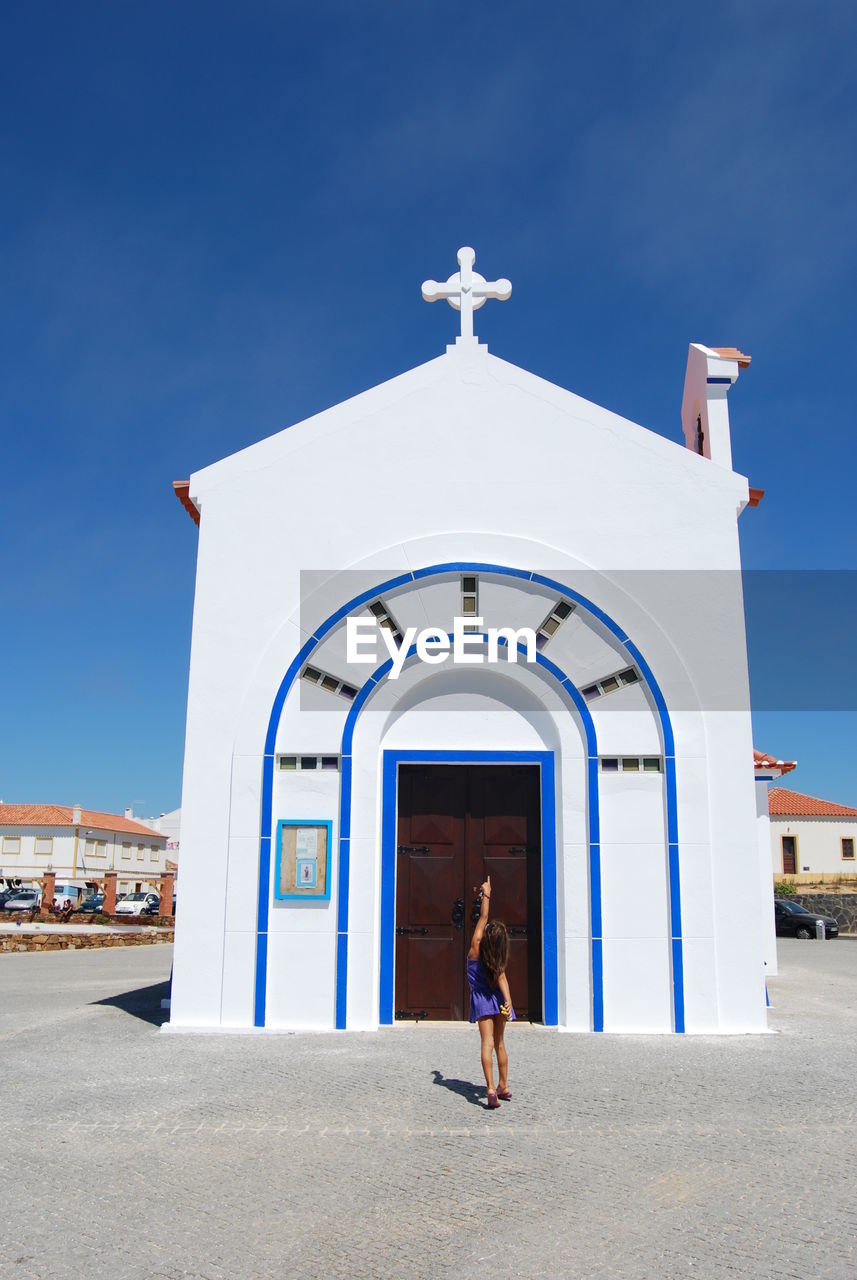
(458, 824)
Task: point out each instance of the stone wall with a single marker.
(70, 941)
(841, 906)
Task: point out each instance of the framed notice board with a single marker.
(302, 863)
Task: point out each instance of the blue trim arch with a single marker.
(549, 907)
(292, 673)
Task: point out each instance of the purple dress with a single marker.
(484, 999)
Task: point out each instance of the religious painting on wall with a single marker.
(302, 867)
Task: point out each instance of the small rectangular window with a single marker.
(43, 844)
(12, 844)
(101, 848)
(153, 856)
(629, 677)
(630, 764)
(848, 848)
(309, 762)
(89, 848)
(591, 692)
(562, 610)
(608, 685)
(610, 764)
(141, 850)
(329, 683)
(288, 762)
(550, 625)
(330, 762)
(126, 851)
(651, 764)
(468, 584)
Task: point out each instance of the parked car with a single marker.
(791, 920)
(93, 904)
(22, 900)
(136, 904)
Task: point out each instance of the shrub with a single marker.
(785, 889)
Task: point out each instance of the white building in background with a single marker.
(767, 769)
(811, 837)
(78, 845)
(337, 815)
(166, 824)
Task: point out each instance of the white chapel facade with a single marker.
(337, 814)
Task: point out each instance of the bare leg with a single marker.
(500, 1047)
(486, 1031)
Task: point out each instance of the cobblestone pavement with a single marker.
(126, 1153)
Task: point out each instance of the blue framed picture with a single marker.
(302, 861)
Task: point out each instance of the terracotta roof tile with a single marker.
(182, 491)
(762, 761)
(61, 815)
(732, 353)
(794, 805)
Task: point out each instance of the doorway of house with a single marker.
(458, 824)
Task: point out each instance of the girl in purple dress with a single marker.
(490, 998)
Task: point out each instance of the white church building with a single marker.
(469, 623)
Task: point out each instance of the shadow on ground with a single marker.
(144, 1003)
(466, 1089)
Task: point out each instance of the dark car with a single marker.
(93, 904)
(794, 921)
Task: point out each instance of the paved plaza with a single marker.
(131, 1153)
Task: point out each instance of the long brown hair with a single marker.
(494, 950)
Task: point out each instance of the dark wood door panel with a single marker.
(456, 825)
(433, 886)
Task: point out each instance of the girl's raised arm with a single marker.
(473, 953)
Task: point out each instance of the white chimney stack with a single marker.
(76, 815)
(711, 371)
(129, 811)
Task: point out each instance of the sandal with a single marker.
(505, 1095)
(493, 1102)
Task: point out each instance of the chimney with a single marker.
(76, 815)
(129, 811)
(711, 371)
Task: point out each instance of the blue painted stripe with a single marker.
(595, 890)
(675, 899)
(344, 886)
(341, 967)
(594, 800)
(672, 800)
(678, 986)
(389, 796)
(550, 954)
(767, 997)
(660, 701)
(345, 769)
(261, 980)
(597, 985)
(472, 566)
(403, 579)
(570, 594)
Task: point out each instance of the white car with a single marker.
(137, 904)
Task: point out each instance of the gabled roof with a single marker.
(62, 815)
(792, 804)
(762, 762)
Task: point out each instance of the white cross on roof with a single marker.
(467, 290)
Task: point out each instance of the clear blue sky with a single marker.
(215, 220)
